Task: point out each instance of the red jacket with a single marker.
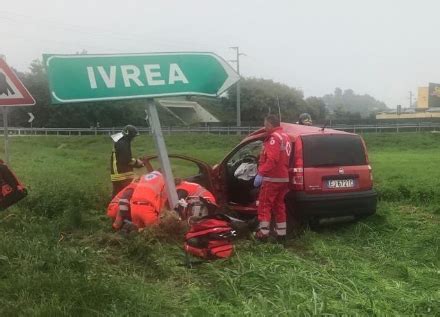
(147, 200)
(195, 189)
(274, 158)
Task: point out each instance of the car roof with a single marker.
(294, 130)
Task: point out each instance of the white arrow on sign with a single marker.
(31, 117)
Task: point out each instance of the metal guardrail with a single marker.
(110, 131)
(418, 127)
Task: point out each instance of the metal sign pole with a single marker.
(156, 130)
(6, 133)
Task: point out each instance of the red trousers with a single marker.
(271, 202)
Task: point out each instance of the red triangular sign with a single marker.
(12, 90)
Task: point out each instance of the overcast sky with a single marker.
(383, 48)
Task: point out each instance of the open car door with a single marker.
(238, 170)
(185, 167)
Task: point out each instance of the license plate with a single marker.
(340, 183)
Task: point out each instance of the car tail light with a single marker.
(371, 172)
(298, 166)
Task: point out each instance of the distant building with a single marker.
(428, 106)
(422, 98)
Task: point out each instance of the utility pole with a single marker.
(237, 61)
(279, 109)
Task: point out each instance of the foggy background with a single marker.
(381, 48)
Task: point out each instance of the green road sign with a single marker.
(78, 78)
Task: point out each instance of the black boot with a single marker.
(281, 240)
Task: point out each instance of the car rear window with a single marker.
(333, 150)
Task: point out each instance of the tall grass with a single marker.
(59, 257)
(406, 167)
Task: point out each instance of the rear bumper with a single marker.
(332, 205)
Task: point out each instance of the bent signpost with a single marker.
(81, 78)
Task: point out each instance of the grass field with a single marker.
(59, 257)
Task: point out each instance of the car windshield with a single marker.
(252, 149)
(333, 150)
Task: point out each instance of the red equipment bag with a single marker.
(11, 189)
(210, 238)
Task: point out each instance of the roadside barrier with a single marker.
(416, 127)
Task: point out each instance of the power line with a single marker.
(80, 29)
(25, 19)
(80, 45)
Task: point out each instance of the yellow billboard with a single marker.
(423, 97)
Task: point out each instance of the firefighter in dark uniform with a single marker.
(305, 119)
(122, 161)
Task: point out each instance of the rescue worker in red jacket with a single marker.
(140, 203)
(273, 177)
(122, 161)
(204, 203)
(193, 189)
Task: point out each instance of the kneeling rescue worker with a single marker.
(122, 162)
(140, 203)
(273, 177)
(194, 200)
(189, 189)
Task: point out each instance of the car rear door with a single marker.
(188, 168)
(335, 163)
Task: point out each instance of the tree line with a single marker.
(259, 97)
